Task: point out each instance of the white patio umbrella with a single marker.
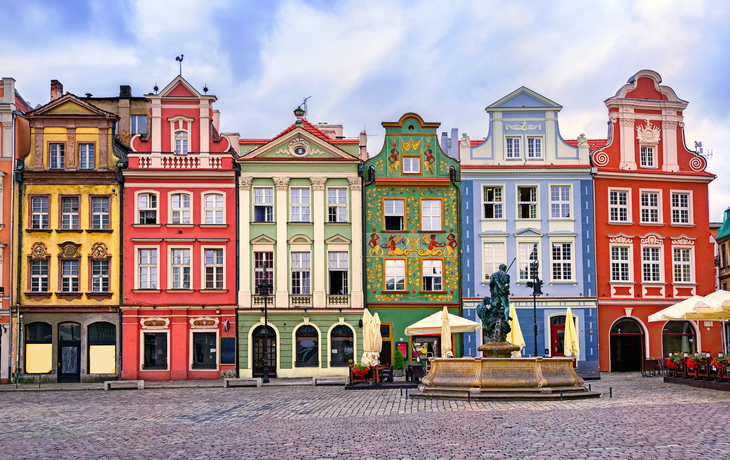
(368, 340)
(445, 334)
(431, 325)
(377, 339)
(571, 347)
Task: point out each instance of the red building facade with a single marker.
(652, 228)
(179, 307)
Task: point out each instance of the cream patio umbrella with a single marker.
(571, 346)
(431, 325)
(515, 334)
(446, 335)
(368, 340)
(678, 311)
(377, 339)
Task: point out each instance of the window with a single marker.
(39, 212)
(680, 208)
(180, 204)
(300, 274)
(204, 350)
(493, 257)
(618, 206)
(147, 265)
(147, 208)
(155, 350)
(528, 253)
(263, 269)
(69, 276)
(57, 156)
(338, 267)
(650, 207)
(86, 156)
(38, 348)
(513, 147)
(39, 276)
(431, 215)
(682, 265)
(102, 339)
(181, 269)
(100, 212)
(723, 256)
(411, 165)
(138, 124)
(651, 264)
(342, 346)
(181, 143)
(395, 275)
(562, 261)
(70, 213)
(300, 205)
(527, 202)
(337, 205)
(493, 202)
(213, 208)
(263, 204)
(432, 276)
(620, 264)
(99, 276)
(678, 337)
(560, 202)
(534, 147)
(648, 160)
(307, 346)
(394, 217)
(214, 269)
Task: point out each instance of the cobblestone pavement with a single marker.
(645, 419)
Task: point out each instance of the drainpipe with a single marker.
(120, 181)
(361, 173)
(21, 189)
(453, 179)
(237, 169)
(10, 255)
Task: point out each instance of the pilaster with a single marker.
(356, 297)
(244, 254)
(281, 267)
(319, 268)
(628, 153)
(669, 146)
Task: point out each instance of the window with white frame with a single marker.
(213, 268)
(493, 257)
(263, 269)
(680, 208)
(99, 276)
(147, 208)
(513, 147)
(39, 212)
(431, 215)
(650, 207)
(618, 205)
(181, 143)
(213, 208)
(301, 280)
(560, 202)
(70, 213)
(648, 158)
(336, 205)
(138, 124)
(70, 276)
(147, 266)
(620, 269)
(57, 156)
(527, 202)
(338, 266)
(651, 264)
(181, 268)
(180, 208)
(263, 204)
(433, 276)
(682, 265)
(493, 203)
(528, 253)
(300, 205)
(100, 213)
(411, 165)
(39, 276)
(562, 255)
(395, 274)
(394, 217)
(86, 156)
(534, 147)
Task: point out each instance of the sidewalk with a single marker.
(148, 385)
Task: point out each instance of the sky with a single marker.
(366, 62)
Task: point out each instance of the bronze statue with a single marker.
(494, 310)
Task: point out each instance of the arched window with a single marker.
(102, 339)
(38, 348)
(343, 348)
(69, 332)
(678, 337)
(626, 326)
(307, 346)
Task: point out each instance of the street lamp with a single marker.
(536, 285)
(264, 292)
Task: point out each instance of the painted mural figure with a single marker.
(393, 160)
(451, 244)
(429, 160)
(374, 245)
(432, 245)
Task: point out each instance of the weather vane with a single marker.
(180, 59)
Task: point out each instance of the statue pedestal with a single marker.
(498, 349)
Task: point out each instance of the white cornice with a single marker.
(654, 177)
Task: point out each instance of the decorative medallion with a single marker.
(203, 322)
(601, 158)
(652, 239)
(299, 147)
(523, 127)
(69, 250)
(100, 251)
(39, 251)
(648, 134)
(155, 323)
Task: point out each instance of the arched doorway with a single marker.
(678, 337)
(627, 345)
(342, 344)
(258, 351)
(69, 352)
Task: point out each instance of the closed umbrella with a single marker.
(571, 347)
(368, 341)
(377, 339)
(515, 334)
(446, 335)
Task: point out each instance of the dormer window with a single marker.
(534, 147)
(513, 147)
(181, 143)
(648, 157)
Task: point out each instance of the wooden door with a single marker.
(258, 352)
(557, 333)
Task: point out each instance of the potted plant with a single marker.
(399, 364)
(359, 372)
(694, 361)
(674, 361)
(721, 362)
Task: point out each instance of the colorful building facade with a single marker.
(412, 235)
(179, 226)
(652, 224)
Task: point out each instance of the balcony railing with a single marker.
(172, 161)
(258, 300)
(338, 300)
(300, 300)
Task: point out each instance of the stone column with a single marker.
(669, 146)
(356, 247)
(70, 146)
(628, 152)
(319, 263)
(244, 254)
(281, 265)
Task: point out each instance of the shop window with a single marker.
(38, 348)
(307, 346)
(678, 337)
(213, 208)
(100, 213)
(337, 205)
(263, 204)
(204, 350)
(394, 215)
(102, 338)
(527, 202)
(342, 346)
(338, 266)
(493, 202)
(86, 156)
(147, 208)
(155, 351)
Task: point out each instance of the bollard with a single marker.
(561, 395)
(406, 393)
(39, 380)
(468, 396)
(401, 391)
(610, 392)
(589, 387)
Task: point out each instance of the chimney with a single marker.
(454, 145)
(363, 146)
(217, 120)
(125, 91)
(56, 90)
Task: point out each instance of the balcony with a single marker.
(172, 161)
(338, 300)
(258, 300)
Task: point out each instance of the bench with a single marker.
(329, 381)
(256, 382)
(123, 385)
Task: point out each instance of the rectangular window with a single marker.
(534, 147)
(300, 205)
(493, 202)
(57, 157)
(620, 263)
(618, 206)
(723, 256)
(301, 281)
(432, 276)
(138, 124)
(680, 208)
(180, 203)
(650, 207)
(147, 265)
(411, 165)
(39, 276)
(181, 268)
(99, 276)
(147, 208)
(395, 275)
(527, 202)
(651, 264)
(204, 350)
(338, 266)
(155, 350)
(263, 269)
(337, 205)
(263, 204)
(493, 257)
(431, 215)
(562, 261)
(39, 212)
(70, 213)
(513, 147)
(86, 156)
(394, 215)
(70, 276)
(648, 160)
(181, 143)
(560, 202)
(100, 212)
(214, 269)
(213, 208)
(682, 265)
(528, 253)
